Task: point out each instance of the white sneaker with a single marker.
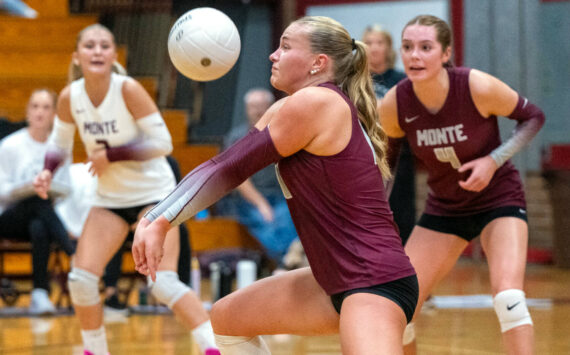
(40, 303)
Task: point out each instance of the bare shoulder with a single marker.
(491, 95)
(138, 100)
(481, 83)
(314, 99)
(309, 119)
(131, 87)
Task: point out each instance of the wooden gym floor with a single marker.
(453, 325)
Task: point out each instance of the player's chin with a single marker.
(274, 80)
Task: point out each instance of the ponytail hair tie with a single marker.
(353, 44)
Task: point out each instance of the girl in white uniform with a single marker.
(23, 215)
(126, 141)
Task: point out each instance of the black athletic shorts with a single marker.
(130, 214)
(470, 226)
(404, 292)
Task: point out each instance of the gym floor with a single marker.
(458, 320)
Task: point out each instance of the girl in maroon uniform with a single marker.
(449, 117)
(331, 155)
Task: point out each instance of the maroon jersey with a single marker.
(455, 135)
(339, 208)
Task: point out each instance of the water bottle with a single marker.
(226, 279)
(215, 280)
(195, 275)
(143, 295)
(246, 273)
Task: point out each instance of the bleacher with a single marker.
(36, 54)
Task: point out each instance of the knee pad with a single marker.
(167, 289)
(83, 287)
(511, 309)
(409, 333)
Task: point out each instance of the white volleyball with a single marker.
(204, 44)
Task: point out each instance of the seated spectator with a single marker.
(259, 204)
(23, 215)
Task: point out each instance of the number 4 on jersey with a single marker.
(447, 155)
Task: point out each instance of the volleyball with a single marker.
(204, 44)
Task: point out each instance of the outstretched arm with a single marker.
(199, 189)
(213, 179)
(287, 127)
(304, 121)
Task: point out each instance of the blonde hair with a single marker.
(53, 96)
(391, 54)
(74, 72)
(350, 68)
(50, 92)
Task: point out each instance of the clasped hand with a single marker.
(482, 171)
(99, 162)
(42, 183)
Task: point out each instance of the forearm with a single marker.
(530, 119)
(21, 191)
(155, 142)
(60, 144)
(213, 179)
(139, 149)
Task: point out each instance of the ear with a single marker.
(75, 58)
(446, 55)
(320, 63)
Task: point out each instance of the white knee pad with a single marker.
(510, 306)
(83, 287)
(409, 333)
(167, 289)
(236, 345)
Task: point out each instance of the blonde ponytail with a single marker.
(351, 75)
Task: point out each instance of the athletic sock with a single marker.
(204, 336)
(95, 341)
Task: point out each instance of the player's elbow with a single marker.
(165, 147)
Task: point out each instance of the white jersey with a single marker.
(21, 159)
(124, 183)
